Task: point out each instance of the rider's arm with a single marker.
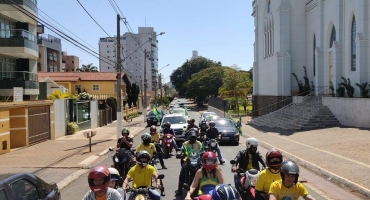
(272, 197)
(119, 143)
(261, 160)
(195, 183)
(129, 142)
(125, 182)
(219, 175)
(237, 159)
(157, 181)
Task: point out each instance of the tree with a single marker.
(182, 75)
(88, 68)
(205, 83)
(132, 91)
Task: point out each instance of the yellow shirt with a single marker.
(141, 176)
(250, 166)
(292, 193)
(265, 179)
(150, 149)
(155, 137)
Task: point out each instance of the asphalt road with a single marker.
(78, 188)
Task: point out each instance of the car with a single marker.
(181, 105)
(227, 130)
(180, 111)
(27, 186)
(206, 116)
(152, 120)
(178, 124)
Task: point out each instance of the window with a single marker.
(332, 37)
(25, 189)
(269, 7)
(3, 195)
(353, 45)
(95, 87)
(314, 55)
(78, 88)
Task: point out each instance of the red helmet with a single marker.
(99, 172)
(209, 160)
(273, 153)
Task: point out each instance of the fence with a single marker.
(105, 116)
(218, 103)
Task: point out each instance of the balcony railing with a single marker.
(26, 84)
(17, 38)
(18, 75)
(32, 4)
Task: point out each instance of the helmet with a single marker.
(167, 125)
(125, 131)
(251, 142)
(114, 174)
(225, 192)
(153, 129)
(251, 175)
(209, 160)
(192, 137)
(204, 121)
(212, 124)
(99, 172)
(289, 167)
(142, 154)
(273, 153)
(146, 138)
(192, 121)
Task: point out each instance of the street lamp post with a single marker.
(160, 85)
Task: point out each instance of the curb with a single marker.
(322, 172)
(85, 167)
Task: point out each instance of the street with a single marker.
(78, 188)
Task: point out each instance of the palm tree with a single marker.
(88, 68)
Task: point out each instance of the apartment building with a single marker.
(50, 56)
(132, 55)
(70, 63)
(18, 49)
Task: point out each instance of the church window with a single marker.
(353, 45)
(332, 37)
(314, 55)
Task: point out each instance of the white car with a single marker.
(180, 111)
(178, 124)
(208, 116)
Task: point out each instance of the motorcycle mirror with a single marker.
(232, 162)
(110, 148)
(186, 187)
(160, 176)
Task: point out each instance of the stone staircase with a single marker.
(309, 114)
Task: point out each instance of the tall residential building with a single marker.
(18, 49)
(50, 56)
(70, 63)
(132, 55)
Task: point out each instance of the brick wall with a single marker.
(265, 104)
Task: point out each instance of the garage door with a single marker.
(38, 124)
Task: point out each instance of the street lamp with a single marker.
(160, 85)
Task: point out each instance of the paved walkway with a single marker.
(341, 154)
(66, 154)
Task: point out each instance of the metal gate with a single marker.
(38, 124)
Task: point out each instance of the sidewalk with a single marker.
(340, 154)
(54, 160)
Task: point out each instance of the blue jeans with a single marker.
(237, 180)
(153, 194)
(174, 144)
(219, 154)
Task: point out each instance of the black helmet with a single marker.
(289, 167)
(225, 192)
(125, 131)
(146, 138)
(167, 124)
(153, 128)
(142, 154)
(192, 137)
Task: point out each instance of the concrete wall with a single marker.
(60, 116)
(4, 131)
(94, 111)
(349, 111)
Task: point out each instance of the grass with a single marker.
(241, 110)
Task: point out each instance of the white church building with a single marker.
(328, 37)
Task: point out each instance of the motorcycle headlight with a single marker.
(168, 136)
(213, 144)
(116, 159)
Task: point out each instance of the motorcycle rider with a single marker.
(116, 181)
(146, 144)
(208, 175)
(141, 175)
(203, 126)
(247, 159)
(98, 180)
(288, 187)
(192, 145)
(274, 158)
(168, 130)
(155, 141)
(212, 133)
(125, 141)
(192, 125)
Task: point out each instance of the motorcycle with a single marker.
(141, 193)
(167, 144)
(202, 196)
(247, 182)
(123, 160)
(192, 164)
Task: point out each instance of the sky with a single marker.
(220, 30)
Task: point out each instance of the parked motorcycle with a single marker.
(167, 144)
(247, 182)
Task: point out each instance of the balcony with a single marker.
(10, 79)
(14, 38)
(13, 12)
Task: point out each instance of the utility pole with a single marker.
(155, 90)
(145, 106)
(119, 79)
(160, 85)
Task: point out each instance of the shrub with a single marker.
(331, 87)
(346, 83)
(340, 91)
(130, 116)
(72, 128)
(364, 89)
(304, 89)
(84, 96)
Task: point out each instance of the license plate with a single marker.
(225, 137)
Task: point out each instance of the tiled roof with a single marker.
(75, 76)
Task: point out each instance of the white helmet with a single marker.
(114, 174)
(251, 178)
(251, 142)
